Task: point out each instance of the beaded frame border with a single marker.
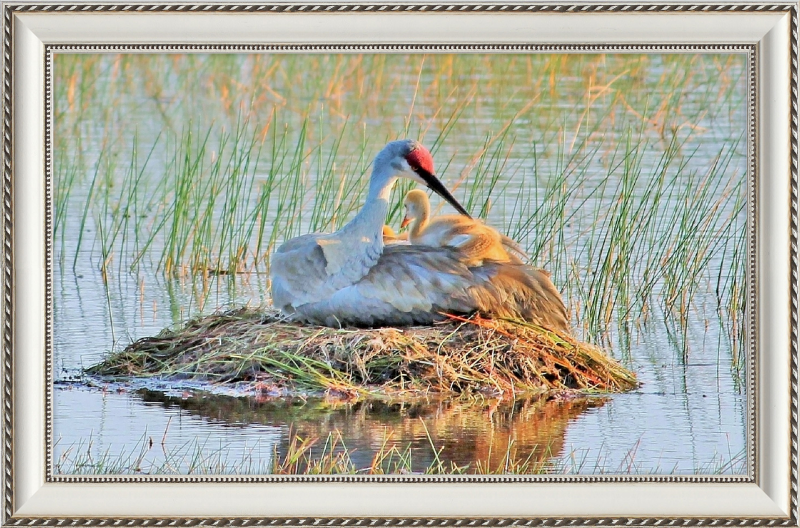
(7, 222)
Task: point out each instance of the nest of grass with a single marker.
(461, 355)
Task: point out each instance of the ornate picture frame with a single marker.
(766, 32)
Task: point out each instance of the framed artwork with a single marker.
(230, 296)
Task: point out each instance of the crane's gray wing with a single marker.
(313, 267)
(417, 284)
(408, 285)
(297, 271)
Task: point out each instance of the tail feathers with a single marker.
(522, 292)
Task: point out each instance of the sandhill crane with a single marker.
(350, 278)
(476, 240)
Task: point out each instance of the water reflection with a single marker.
(464, 432)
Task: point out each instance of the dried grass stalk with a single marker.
(463, 355)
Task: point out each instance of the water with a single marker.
(687, 417)
(244, 434)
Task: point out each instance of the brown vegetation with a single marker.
(462, 355)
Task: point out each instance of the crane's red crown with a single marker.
(420, 158)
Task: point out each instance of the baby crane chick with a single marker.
(390, 237)
(474, 239)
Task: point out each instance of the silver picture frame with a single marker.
(766, 32)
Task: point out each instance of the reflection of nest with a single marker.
(480, 434)
(465, 355)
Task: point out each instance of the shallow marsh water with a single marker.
(555, 144)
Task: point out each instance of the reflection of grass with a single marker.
(467, 355)
(391, 458)
(153, 457)
(622, 175)
(468, 434)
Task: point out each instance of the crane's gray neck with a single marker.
(368, 223)
(353, 250)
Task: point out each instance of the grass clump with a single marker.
(461, 355)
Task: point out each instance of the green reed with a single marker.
(624, 183)
(155, 454)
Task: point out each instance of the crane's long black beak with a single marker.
(438, 187)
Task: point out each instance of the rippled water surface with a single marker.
(511, 134)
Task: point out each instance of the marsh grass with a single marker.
(303, 456)
(329, 455)
(465, 355)
(391, 458)
(622, 175)
(152, 455)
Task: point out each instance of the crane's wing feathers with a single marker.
(315, 266)
(297, 271)
(416, 284)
